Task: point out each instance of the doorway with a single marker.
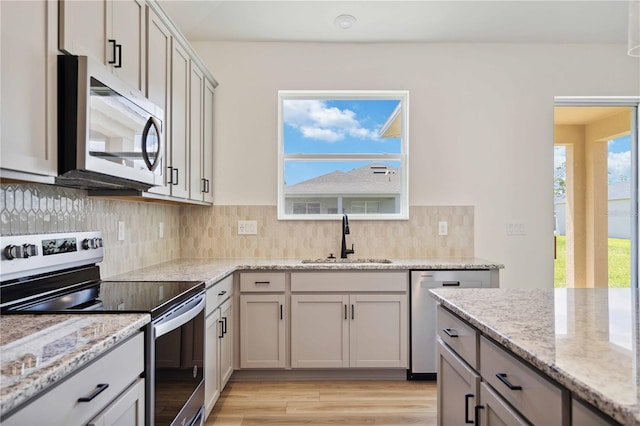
(595, 194)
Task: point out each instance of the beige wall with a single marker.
(481, 125)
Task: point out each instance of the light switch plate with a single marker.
(120, 230)
(514, 229)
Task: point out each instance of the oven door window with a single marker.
(179, 368)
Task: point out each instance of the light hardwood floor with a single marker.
(377, 403)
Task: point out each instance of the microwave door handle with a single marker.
(151, 122)
(180, 317)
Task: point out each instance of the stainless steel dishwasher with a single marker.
(423, 314)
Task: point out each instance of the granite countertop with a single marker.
(37, 351)
(585, 339)
(213, 270)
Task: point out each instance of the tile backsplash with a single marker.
(201, 232)
(35, 209)
(212, 232)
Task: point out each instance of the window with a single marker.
(343, 152)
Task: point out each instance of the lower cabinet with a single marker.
(493, 410)
(107, 391)
(348, 330)
(218, 365)
(262, 333)
(458, 390)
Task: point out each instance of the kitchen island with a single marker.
(586, 340)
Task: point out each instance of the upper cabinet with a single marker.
(112, 32)
(28, 119)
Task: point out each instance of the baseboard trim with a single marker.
(300, 375)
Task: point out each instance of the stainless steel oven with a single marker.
(57, 273)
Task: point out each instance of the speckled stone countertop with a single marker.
(213, 270)
(585, 339)
(37, 351)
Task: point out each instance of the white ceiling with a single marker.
(515, 21)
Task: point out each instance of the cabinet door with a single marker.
(378, 330)
(493, 410)
(262, 331)
(319, 331)
(213, 328)
(207, 143)
(196, 92)
(128, 409)
(83, 27)
(126, 25)
(159, 84)
(458, 388)
(226, 343)
(179, 121)
(28, 87)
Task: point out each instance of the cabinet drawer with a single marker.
(539, 400)
(262, 282)
(460, 336)
(60, 406)
(349, 281)
(218, 293)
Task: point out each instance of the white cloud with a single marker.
(315, 120)
(619, 164)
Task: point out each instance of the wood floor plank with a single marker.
(378, 403)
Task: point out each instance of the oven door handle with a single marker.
(181, 316)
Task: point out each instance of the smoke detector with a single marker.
(345, 22)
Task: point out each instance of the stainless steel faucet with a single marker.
(345, 230)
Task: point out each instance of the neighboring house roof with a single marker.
(371, 179)
(616, 191)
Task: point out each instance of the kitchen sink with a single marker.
(338, 260)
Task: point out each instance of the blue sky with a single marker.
(334, 126)
(618, 161)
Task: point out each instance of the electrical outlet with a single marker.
(120, 230)
(247, 227)
(443, 228)
(514, 229)
(161, 230)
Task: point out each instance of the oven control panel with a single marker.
(24, 255)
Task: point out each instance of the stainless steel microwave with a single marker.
(109, 135)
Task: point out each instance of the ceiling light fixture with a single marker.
(345, 22)
(633, 42)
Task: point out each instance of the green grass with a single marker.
(619, 263)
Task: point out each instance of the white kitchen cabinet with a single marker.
(179, 159)
(319, 331)
(494, 411)
(28, 93)
(127, 409)
(112, 32)
(356, 330)
(262, 331)
(196, 95)
(226, 344)
(104, 383)
(349, 319)
(159, 85)
(218, 340)
(207, 142)
(458, 392)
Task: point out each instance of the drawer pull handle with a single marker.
(503, 379)
(99, 389)
(451, 284)
(466, 408)
(450, 332)
(262, 282)
(477, 409)
(222, 293)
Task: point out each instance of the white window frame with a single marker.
(402, 158)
